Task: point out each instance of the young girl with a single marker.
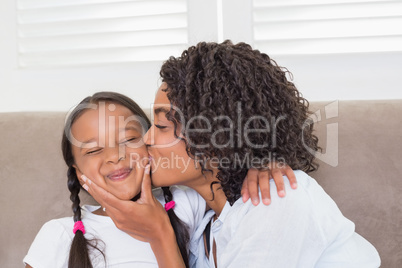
(101, 136)
(103, 139)
(225, 107)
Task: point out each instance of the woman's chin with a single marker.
(160, 181)
(157, 184)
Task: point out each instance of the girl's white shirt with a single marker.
(51, 246)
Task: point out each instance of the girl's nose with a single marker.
(115, 154)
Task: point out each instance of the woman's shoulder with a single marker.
(306, 187)
(308, 203)
(179, 191)
(306, 219)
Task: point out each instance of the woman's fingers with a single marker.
(103, 197)
(146, 186)
(140, 219)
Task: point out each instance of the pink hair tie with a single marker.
(78, 225)
(169, 205)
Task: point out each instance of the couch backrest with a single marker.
(366, 182)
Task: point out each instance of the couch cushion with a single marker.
(33, 180)
(366, 182)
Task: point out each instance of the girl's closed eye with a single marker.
(93, 151)
(133, 139)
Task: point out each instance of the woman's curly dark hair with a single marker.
(235, 103)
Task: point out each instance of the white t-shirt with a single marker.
(304, 229)
(51, 246)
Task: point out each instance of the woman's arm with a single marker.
(166, 249)
(145, 220)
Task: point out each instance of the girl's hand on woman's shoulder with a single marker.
(259, 178)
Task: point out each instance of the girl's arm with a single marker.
(145, 220)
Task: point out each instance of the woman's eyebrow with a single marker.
(161, 110)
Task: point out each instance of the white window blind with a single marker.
(287, 27)
(78, 32)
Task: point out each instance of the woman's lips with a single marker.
(120, 174)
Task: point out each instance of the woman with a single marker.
(224, 108)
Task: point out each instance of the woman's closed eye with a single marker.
(159, 126)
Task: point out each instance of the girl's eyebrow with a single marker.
(87, 144)
(129, 127)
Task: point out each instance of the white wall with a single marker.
(318, 77)
(326, 77)
(61, 88)
(347, 76)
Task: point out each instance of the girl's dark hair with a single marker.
(80, 247)
(225, 88)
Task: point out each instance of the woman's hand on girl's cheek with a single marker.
(260, 178)
(145, 219)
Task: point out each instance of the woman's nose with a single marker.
(148, 137)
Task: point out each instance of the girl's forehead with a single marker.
(106, 110)
(108, 115)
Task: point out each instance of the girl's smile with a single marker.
(120, 174)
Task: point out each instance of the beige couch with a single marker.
(366, 183)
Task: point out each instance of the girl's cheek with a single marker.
(90, 165)
(141, 152)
